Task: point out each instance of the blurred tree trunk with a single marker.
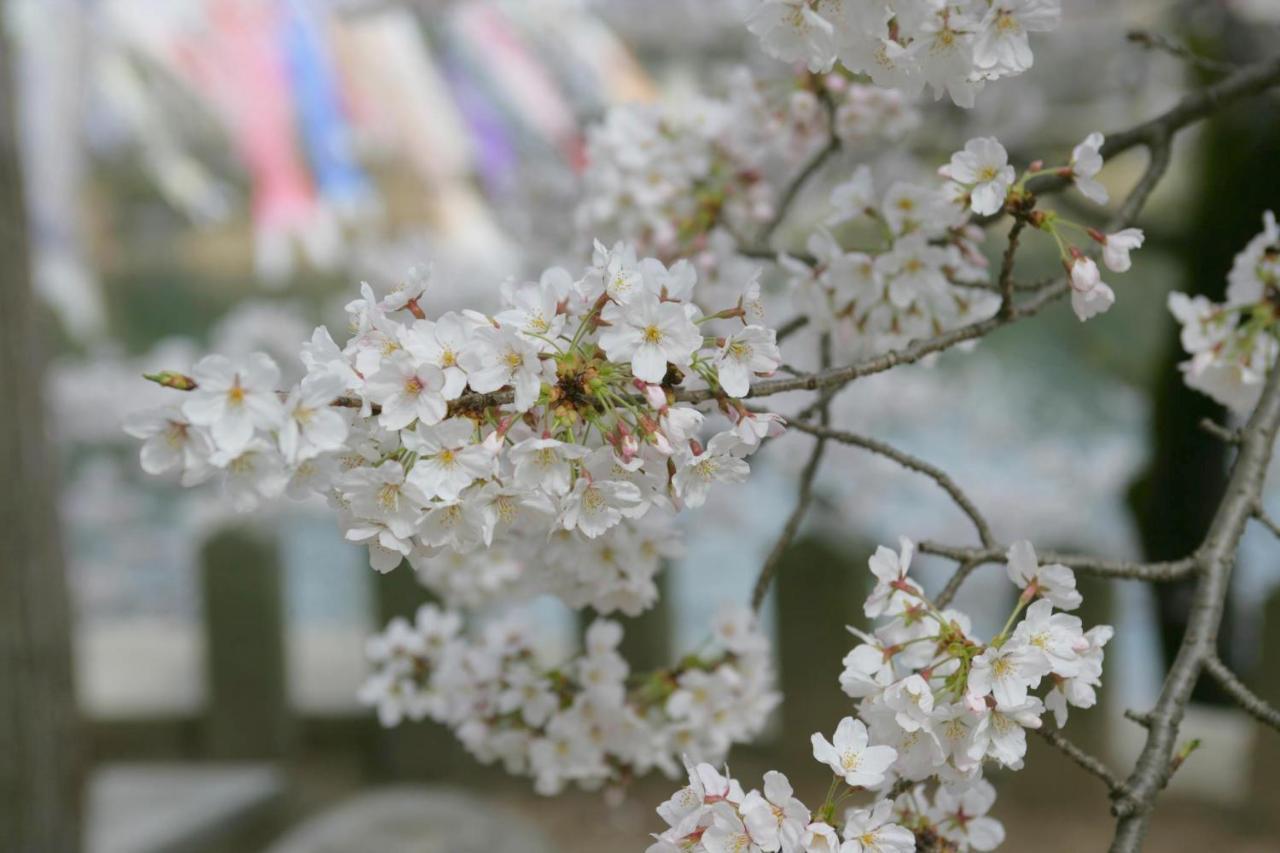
(1235, 181)
(40, 771)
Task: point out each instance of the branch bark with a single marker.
(1084, 760)
(1165, 570)
(804, 498)
(1253, 704)
(1214, 562)
(913, 463)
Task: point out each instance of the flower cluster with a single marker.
(713, 813)
(917, 274)
(947, 701)
(1233, 344)
(920, 269)
(438, 438)
(954, 47)
(584, 721)
(665, 177)
(935, 703)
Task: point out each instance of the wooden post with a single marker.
(41, 772)
(820, 589)
(424, 750)
(1089, 728)
(646, 639)
(248, 715)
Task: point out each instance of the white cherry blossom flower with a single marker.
(534, 312)
(448, 458)
(649, 334)
(233, 398)
(546, 464)
(792, 31)
(506, 358)
(1116, 248)
(170, 441)
(894, 592)
(592, 507)
(751, 351)
(961, 815)
(407, 390)
(444, 344)
(873, 830)
(775, 819)
(1086, 163)
(1090, 295)
(251, 474)
(849, 756)
(311, 425)
(983, 169)
(719, 462)
(1055, 582)
(1002, 43)
(1006, 672)
(1058, 638)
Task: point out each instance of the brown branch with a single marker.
(1218, 431)
(1247, 81)
(1253, 704)
(790, 327)
(797, 183)
(957, 579)
(1214, 559)
(1081, 758)
(804, 498)
(1159, 41)
(1005, 279)
(1167, 570)
(913, 463)
(1260, 513)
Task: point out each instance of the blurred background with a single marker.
(201, 175)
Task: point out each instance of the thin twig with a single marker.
(804, 498)
(913, 463)
(1218, 431)
(802, 177)
(792, 326)
(1247, 81)
(1167, 570)
(1260, 513)
(957, 579)
(1005, 279)
(1142, 718)
(1253, 704)
(1159, 41)
(1082, 759)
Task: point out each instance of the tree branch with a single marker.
(1005, 279)
(1167, 570)
(1243, 83)
(804, 498)
(1081, 758)
(1214, 560)
(1260, 513)
(913, 463)
(1159, 41)
(1218, 431)
(797, 183)
(1253, 704)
